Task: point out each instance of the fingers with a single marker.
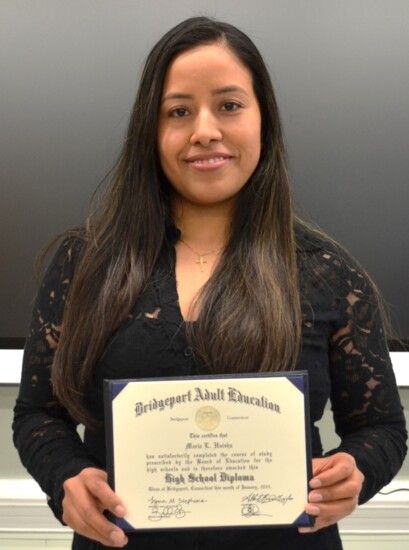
(87, 495)
(91, 527)
(349, 487)
(328, 513)
(327, 471)
(336, 486)
(96, 483)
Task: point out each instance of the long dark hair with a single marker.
(249, 318)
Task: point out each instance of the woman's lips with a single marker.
(204, 163)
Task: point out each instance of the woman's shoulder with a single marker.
(68, 247)
(314, 244)
(311, 240)
(66, 252)
(327, 264)
(332, 280)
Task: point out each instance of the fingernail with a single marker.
(315, 483)
(117, 537)
(119, 510)
(313, 510)
(304, 530)
(315, 497)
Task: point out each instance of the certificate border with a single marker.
(113, 387)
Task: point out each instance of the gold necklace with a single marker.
(201, 261)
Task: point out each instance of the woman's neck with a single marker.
(204, 229)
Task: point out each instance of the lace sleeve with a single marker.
(44, 434)
(365, 401)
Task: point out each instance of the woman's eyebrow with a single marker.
(176, 95)
(228, 90)
(217, 91)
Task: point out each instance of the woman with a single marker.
(194, 263)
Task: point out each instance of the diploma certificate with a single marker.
(216, 451)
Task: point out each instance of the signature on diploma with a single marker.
(165, 509)
(250, 504)
(263, 498)
(249, 510)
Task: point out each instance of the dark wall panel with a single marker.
(69, 71)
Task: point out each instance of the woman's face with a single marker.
(209, 132)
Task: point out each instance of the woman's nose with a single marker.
(206, 129)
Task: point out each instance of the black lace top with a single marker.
(344, 351)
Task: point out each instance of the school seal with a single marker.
(207, 418)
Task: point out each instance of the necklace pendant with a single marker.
(201, 261)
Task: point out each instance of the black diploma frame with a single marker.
(210, 452)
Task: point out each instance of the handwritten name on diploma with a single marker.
(251, 504)
(263, 498)
(171, 508)
(203, 394)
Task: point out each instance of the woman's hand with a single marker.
(335, 485)
(87, 496)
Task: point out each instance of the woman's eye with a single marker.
(178, 112)
(231, 106)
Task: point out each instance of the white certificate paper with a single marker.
(211, 451)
